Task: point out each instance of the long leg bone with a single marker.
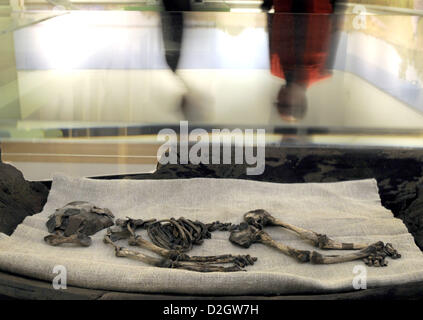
(260, 218)
(131, 254)
(168, 263)
(372, 255)
(174, 255)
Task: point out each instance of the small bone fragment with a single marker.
(77, 238)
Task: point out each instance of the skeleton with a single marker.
(251, 232)
(75, 222)
(171, 239)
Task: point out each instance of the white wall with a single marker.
(243, 97)
(224, 73)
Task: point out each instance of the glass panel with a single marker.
(15, 20)
(343, 79)
(95, 69)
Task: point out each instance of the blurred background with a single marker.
(85, 86)
(216, 5)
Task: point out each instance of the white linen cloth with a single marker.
(347, 211)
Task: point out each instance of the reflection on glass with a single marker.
(172, 26)
(299, 50)
(113, 73)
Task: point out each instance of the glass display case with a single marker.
(101, 77)
(328, 98)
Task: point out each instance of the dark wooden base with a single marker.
(17, 287)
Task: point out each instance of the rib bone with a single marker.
(168, 263)
(174, 255)
(260, 218)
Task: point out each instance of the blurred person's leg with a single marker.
(266, 5)
(177, 5)
(172, 29)
(195, 105)
(172, 32)
(299, 48)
